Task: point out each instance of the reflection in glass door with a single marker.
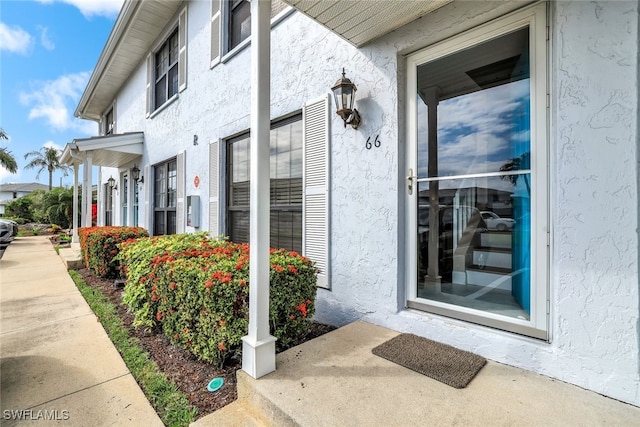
(471, 195)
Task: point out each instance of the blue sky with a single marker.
(48, 49)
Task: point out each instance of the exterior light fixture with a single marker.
(112, 183)
(344, 94)
(135, 174)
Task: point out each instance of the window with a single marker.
(167, 67)
(165, 198)
(166, 71)
(477, 205)
(109, 123)
(108, 205)
(125, 200)
(239, 22)
(135, 204)
(285, 185)
(231, 24)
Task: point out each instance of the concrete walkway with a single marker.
(57, 362)
(56, 357)
(335, 380)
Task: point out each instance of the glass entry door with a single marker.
(472, 185)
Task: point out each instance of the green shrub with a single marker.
(137, 259)
(20, 208)
(200, 296)
(99, 247)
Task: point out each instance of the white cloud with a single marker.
(55, 100)
(7, 177)
(89, 8)
(15, 39)
(51, 144)
(46, 42)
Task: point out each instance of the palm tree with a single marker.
(7, 160)
(47, 158)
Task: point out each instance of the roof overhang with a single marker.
(141, 22)
(362, 21)
(137, 27)
(110, 151)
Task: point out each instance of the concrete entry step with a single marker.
(71, 257)
(335, 380)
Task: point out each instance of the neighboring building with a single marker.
(12, 191)
(525, 109)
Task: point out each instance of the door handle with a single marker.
(410, 180)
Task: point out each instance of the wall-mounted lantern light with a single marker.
(135, 174)
(344, 94)
(112, 183)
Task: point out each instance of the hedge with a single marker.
(197, 291)
(99, 247)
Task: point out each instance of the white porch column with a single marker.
(83, 205)
(87, 190)
(433, 272)
(74, 236)
(259, 347)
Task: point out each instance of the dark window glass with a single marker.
(109, 123)
(285, 185)
(164, 198)
(108, 205)
(166, 70)
(239, 22)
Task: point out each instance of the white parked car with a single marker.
(495, 222)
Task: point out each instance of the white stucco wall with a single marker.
(593, 177)
(595, 194)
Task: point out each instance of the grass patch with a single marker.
(170, 403)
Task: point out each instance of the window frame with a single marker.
(166, 209)
(180, 26)
(109, 122)
(124, 199)
(223, 16)
(533, 17)
(175, 65)
(273, 207)
(108, 204)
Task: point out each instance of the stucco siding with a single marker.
(595, 197)
(593, 176)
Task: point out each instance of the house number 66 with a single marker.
(375, 143)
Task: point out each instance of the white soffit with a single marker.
(361, 21)
(136, 29)
(111, 151)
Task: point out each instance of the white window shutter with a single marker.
(180, 190)
(182, 52)
(214, 206)
(149, 85)
(316, 183)
(216, 35)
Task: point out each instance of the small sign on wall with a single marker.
(196, 181)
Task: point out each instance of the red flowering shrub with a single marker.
(99, 247)
(140, 259)
(199, 295)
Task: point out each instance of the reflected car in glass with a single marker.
(495, 222)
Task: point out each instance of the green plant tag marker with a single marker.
(215, 384)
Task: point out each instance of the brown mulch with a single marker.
(188, 373)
